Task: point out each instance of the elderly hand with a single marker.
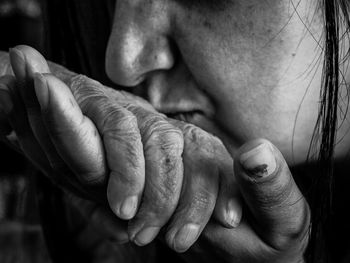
(276, 220)
(84, 136)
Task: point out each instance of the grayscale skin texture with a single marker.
(240, 70)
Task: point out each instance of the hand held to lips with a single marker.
(280, 215)
(62, 134)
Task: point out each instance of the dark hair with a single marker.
(78, 40)
(336, 27)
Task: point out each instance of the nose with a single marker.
(139, 42)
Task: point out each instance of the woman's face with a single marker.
(240, 69)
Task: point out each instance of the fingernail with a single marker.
(6, 104)
(234, 212)
(185, 237)
(146, 236)
(41, 90)
(17, 61)
(259, 162)
(128, 208)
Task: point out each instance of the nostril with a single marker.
(132, 58)
(122, 74)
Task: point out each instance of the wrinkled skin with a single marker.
(140, 151)
(71, 117)
(238, 69)
(243, 65)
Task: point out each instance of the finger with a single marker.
(163, 148)
(78, 82)
(228, 208)
(17, 116)
(123, 145)
(18, 119)
(26, 62)
(280, 212)
(74, 135)
(199, 190)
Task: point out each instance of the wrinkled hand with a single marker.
(276, 220)
(86, 136)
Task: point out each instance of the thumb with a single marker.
(280, 213)
(25, 62)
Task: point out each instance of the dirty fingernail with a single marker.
(259, 162)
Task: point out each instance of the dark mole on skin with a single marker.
(259, 171)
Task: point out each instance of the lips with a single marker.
(188, 116)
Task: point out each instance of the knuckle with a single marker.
(194, 134)
(160, 199)
(199, 140)
(200, 203)
(166, 146)
(118, 120)
(198, 208)
(86, 90)
(164, 136)
(203, 199)
(165, 143)
(122, 128)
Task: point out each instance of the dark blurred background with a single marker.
(21, 238)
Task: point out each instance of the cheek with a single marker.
(231, 49)
(261, 70)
